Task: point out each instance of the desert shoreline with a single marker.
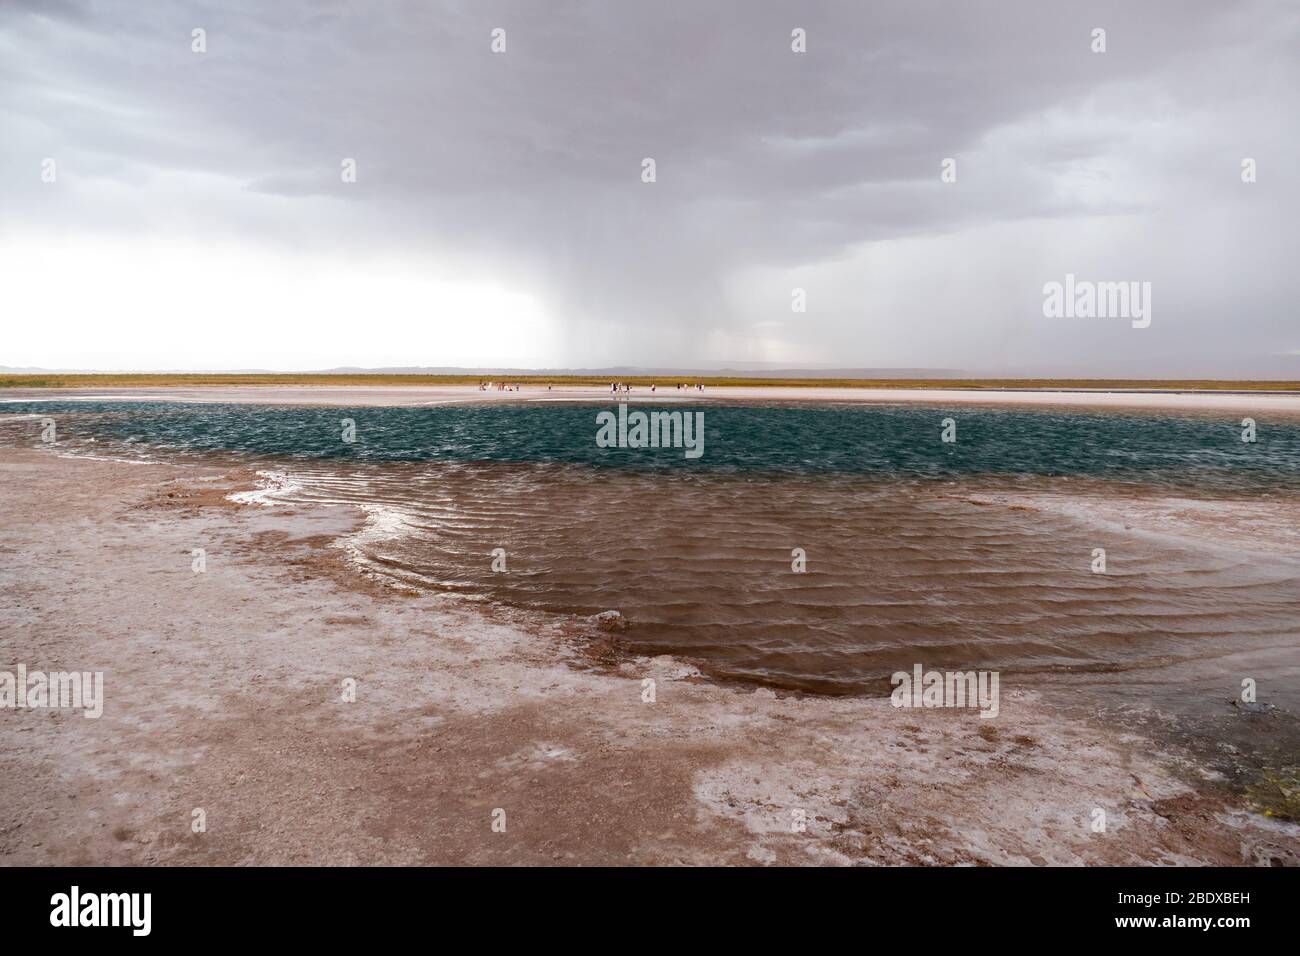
(223, 694)
(1200, 401)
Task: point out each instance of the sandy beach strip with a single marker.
(1243, 403)
(224, 693)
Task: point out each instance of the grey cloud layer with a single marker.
(766, 159)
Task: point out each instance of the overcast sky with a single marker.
(198, 216)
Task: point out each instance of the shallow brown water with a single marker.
(897, 572)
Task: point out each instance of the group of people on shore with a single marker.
(616, 387)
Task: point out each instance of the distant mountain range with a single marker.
(748, 369)
(1277, 367)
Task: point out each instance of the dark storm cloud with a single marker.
(765, 158)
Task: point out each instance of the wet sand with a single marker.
(224, 692)
(1244, 403)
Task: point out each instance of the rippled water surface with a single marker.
(799, 439)
(906, 560)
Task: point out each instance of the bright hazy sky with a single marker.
(198, 218)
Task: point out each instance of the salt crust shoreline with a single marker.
(1245, 404)
(223, 692)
